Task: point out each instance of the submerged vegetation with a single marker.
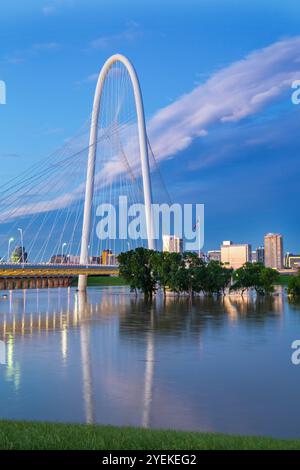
(294, 286)
(185, 273)
(255, 276)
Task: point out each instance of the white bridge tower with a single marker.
(143, 147)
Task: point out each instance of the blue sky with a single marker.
(216, 79)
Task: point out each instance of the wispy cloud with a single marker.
(230, 95)
(93, 77)
(22, 55)
(131, 32)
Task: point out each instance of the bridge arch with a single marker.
(143, 148)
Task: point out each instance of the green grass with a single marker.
(44, 436)
(103, 281)
(106, 281)
(283, 279)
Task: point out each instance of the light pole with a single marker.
(62, 251)
(22, 246)
(8, 248)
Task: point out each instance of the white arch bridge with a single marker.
(52, 208)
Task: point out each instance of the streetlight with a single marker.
(8, 248)
(22, 246)
(62, 251)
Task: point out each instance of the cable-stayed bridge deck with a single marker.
(46, 270)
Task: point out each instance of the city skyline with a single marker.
(217, 160)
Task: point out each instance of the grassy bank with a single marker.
(34, 436)
(103, 281)
(283, 279)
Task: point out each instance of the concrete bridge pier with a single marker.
(10, 284)
(18, 284)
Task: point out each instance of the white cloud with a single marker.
(230, 95)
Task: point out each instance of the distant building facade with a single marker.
(19, 255)
(73, 259)
(234, 255)
(214, 255)
(172, 244)
(58, 259)
(292, 261)
(273, 251)
(108, 258)
(260, 255)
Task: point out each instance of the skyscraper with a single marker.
(273, 251)
(260, 254)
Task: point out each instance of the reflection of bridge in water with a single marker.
(40, 314)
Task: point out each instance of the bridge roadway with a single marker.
(31, 276)
(45, 270)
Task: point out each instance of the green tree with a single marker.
(194, 273)
(294, 286)
(255, 276)
(216, 278)
(137, 268)
(268, 278)
(247, 277)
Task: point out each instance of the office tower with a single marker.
(273, 251)
(260, 255)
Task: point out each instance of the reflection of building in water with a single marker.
(12, 371)
(230, 308)
(254, 306)
(136, 324)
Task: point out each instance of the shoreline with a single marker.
(34, 435)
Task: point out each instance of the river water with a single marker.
(221, 365)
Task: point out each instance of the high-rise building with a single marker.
(260, 254)
(172, 244)
(273, 251)
(234, 255)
